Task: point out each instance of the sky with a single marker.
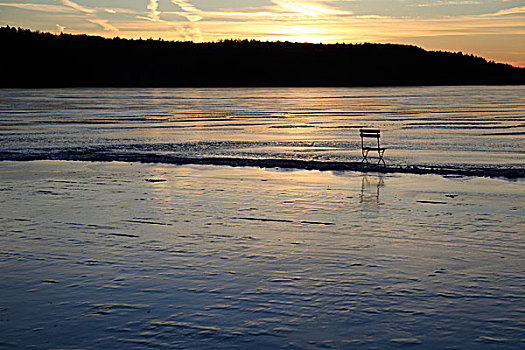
(493, 29)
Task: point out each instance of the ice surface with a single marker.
(460, 127)
(122, 254)
(128, 255)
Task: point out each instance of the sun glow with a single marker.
(301, 34)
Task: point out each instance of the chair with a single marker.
(366, 147)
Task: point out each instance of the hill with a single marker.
(35, 59)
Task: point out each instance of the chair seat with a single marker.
(374, 148)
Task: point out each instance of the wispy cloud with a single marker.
(117, 10)
(189, 11)
(39, 7)
(190, 31)
(307, 8)
(104, 24)
(506, 12)
(67, 7)
(77, 6)
(90, 15)
(280, 10)
(448, 3)
(154, 13)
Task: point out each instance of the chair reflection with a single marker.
(370, 185)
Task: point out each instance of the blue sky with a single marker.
(494, 29)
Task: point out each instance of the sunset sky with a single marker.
(493, 29)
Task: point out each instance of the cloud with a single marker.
(190, 12)
(154, 13)
(39, 7)
(511, 11)
(307, 8)
(104, 24)
(60, 28)
(115, 10)
(77, 6)
(191, 31)
(281, 10)
(69, 7)
(449, 3)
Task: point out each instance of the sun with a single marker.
(303, 34)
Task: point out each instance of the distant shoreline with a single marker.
(250, 87)
(44, 60)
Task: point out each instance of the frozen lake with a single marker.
(462, 127)
(111, 254)
(127, 255)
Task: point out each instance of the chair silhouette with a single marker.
(366, 147)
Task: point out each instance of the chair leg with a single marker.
(365, 157)
(381, 158)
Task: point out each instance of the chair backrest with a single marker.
(371, 133)
(376, 133)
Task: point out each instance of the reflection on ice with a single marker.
(370, 185)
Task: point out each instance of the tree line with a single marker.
(36, 59)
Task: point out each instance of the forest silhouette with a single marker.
(36, 59)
